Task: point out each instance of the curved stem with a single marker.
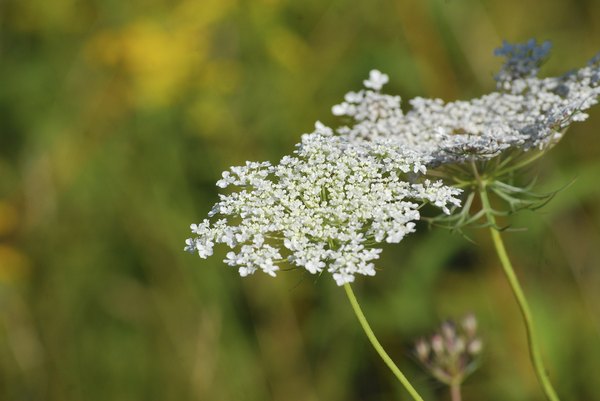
(369, 332)
(520, 164)
(534, 349)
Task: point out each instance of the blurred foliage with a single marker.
(116, 119)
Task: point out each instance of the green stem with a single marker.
(386, 358)
(534, 349)
(520, 164)
(455, 391)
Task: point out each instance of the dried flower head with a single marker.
(322, 209)
(522, 61)
(525, 113)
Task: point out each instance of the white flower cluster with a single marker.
(526, 112)
(340, 194)
(322, 209)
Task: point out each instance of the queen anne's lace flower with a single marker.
(525, 113)
(376, 80)
(322, 209)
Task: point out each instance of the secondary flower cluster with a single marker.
(451, 354)
(526, 112)
(322, 209)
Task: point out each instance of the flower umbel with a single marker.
(322, 209)
(452, 353)
(525, 113)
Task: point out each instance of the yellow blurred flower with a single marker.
(14, 265)
(160, 56)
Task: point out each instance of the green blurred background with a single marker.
(116, 119)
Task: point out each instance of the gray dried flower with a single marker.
(525, 113)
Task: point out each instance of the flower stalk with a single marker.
(455, 393)
(534, 348)
(377, 345)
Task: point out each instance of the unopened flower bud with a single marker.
(458, 347)
(422, 349)
(448, 330)
(469, 324)
(437, 344)
(475, 346)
